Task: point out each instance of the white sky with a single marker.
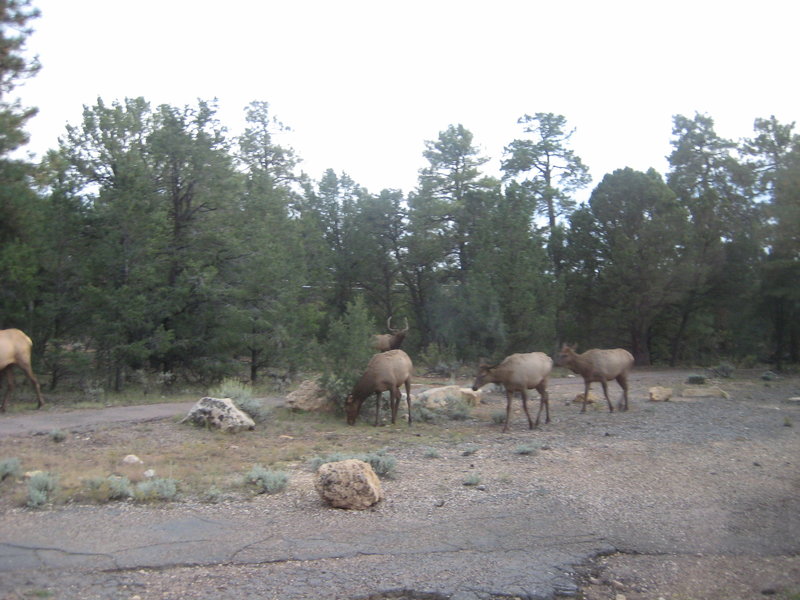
(363, 83)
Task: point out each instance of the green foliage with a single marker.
(10, 467)
(267, 481)
(696, 379)
(347, 351)
(472, 479)
(42, 487)
(432, 453)
(157, 489)
(469, 450)
(527, 449)
(57, 435)
(382, 463)
(105, 489)
(498, 417)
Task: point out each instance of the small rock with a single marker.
(132, 459)
(149, 474)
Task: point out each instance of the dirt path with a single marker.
(679, 500)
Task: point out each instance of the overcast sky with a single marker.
(363, 84)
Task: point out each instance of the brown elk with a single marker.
(520, 373)
(599, 365)
(384, 342)
(385, 371)
(15, 349)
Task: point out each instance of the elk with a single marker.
(385, 371)
(599, 365)
(15, 349)
(383, 342)
(520, 373)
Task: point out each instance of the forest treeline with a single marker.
(151, 241)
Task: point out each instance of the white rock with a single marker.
(221, 413)
(132, 459)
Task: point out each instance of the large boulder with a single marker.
(221, 413)
(438, 398)
(348, 484)
(660, 394)
(309, 396)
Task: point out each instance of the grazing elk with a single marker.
(599, 365)
(385, 371)
(15, 349)
(384, 342)
(520, 373)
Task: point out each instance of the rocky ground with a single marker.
(695, 498)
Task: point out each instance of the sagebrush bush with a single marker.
(105, 489)
(527, 449)
(267, 481)
(233, 389)
(472, 479)
(498, 417)
(254, 408)
(458, 410)
(42, 487)
(10, 467)
(382, 463)
(156, 489)
(57, 435)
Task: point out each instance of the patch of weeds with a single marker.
(106, 489)
(470, 450)
(10, 467)
(156, 489)
(41, 489)
(431, 453)
(57, 435)
(267, 481)
(382, 463)
(472, 479)
(213, 495)
(696, 379)
(787, 422)
(498, 417)
(458, 411)
(38, 594)
(526, 449)
(233, 389)
(422, 414)
(254, 408)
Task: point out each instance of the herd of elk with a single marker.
(15, 349)
(392, 368)
(520, 373)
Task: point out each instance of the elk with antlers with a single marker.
(384, 342)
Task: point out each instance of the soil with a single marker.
(695, 498)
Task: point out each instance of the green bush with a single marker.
(527, 449)
(696, 379)
(382, 463)
(105, 489)
(267, 481)
(498, 417)
(346, 353)
(458, 411)
(41, 489)
(156, 489)
(472, 479)
(233, 389)
(254, 408)
(431, 453)
(10, 467)
(57, 435)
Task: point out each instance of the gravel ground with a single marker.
(688, 499)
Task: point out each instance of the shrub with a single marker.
(421, 414)
(724, 370)
(472, 479)
(383, 464)
(498, 417)
(696, 379)
(254, 408)
(267, 481)
(233, 389)
(9, 467)
(431, 453)
(156, 489)
(57, 435)
(458, 410)
(105, 489)
(469, 450)
(527, 449)
(41, 488)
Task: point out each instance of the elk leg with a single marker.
(408, 399)
(34, 381)
(622, 380)
(585, 395)
(525, 406)
(544, 401)
(9, 386)
(377, 408)
(508, 410)
(394, 400)
(605, 391)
